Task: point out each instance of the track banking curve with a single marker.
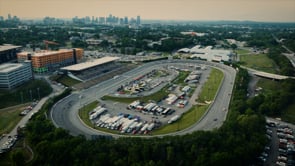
(64, 113)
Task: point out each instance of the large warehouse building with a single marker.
(44, 61)
(15, 74)
(8, 53)
(208, 53)
(90, 69)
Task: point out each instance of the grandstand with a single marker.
(94, 68)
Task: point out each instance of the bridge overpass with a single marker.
(267, 75)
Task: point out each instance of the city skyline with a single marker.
(211, 10)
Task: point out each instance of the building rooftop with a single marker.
(86, 65)
(47, 52)
(8, 67)
(8, 47)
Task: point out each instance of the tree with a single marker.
(234, 46)
(17, 158)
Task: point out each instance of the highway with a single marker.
(64, 114)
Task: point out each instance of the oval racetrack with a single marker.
(64, 113)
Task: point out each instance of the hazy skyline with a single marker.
(254, 10)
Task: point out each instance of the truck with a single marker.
(151, 126)
(173, 119)
(144, 128)
(97, 113)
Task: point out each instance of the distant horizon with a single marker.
(188, 10)
(143, 19)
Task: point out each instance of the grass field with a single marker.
(259, 62)
(65, 80)
(188, 119)
(24, 93)
(181, 77)
(196, 112)
(209, 89)
(9, 117)
(241, 52)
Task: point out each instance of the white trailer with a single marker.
(125, 128)
(166, 111)
(144, 127)
(151, 106)
(147, 106)
(139, 125)
(174, 118)
(95, 110)
(134, 104)
(151, 126)
(133, 125)
(97, 113)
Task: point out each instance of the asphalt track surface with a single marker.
(64, 113)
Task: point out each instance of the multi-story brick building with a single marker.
(44, 61)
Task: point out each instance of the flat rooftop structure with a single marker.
(8, 67)
(8, 47)
(89, 64)
(46, 52)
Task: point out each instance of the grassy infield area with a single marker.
(188, 119)
(263, 63)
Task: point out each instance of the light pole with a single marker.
(38, 92)
(80, 98)
(21, 96)
(31, 94)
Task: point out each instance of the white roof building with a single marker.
(208, 53)
(89, 64)
(15, 74)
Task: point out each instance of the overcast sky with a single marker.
(255, 10)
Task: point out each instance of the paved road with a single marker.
(266, 75)
(25, 119)
(65, 113)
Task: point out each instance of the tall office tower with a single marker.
(126, 20)
(102, 20)
(9, 17)
(109, 19)
(121, 22)
(138, 20)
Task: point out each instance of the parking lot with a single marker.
(180, 98)
(280, 149)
